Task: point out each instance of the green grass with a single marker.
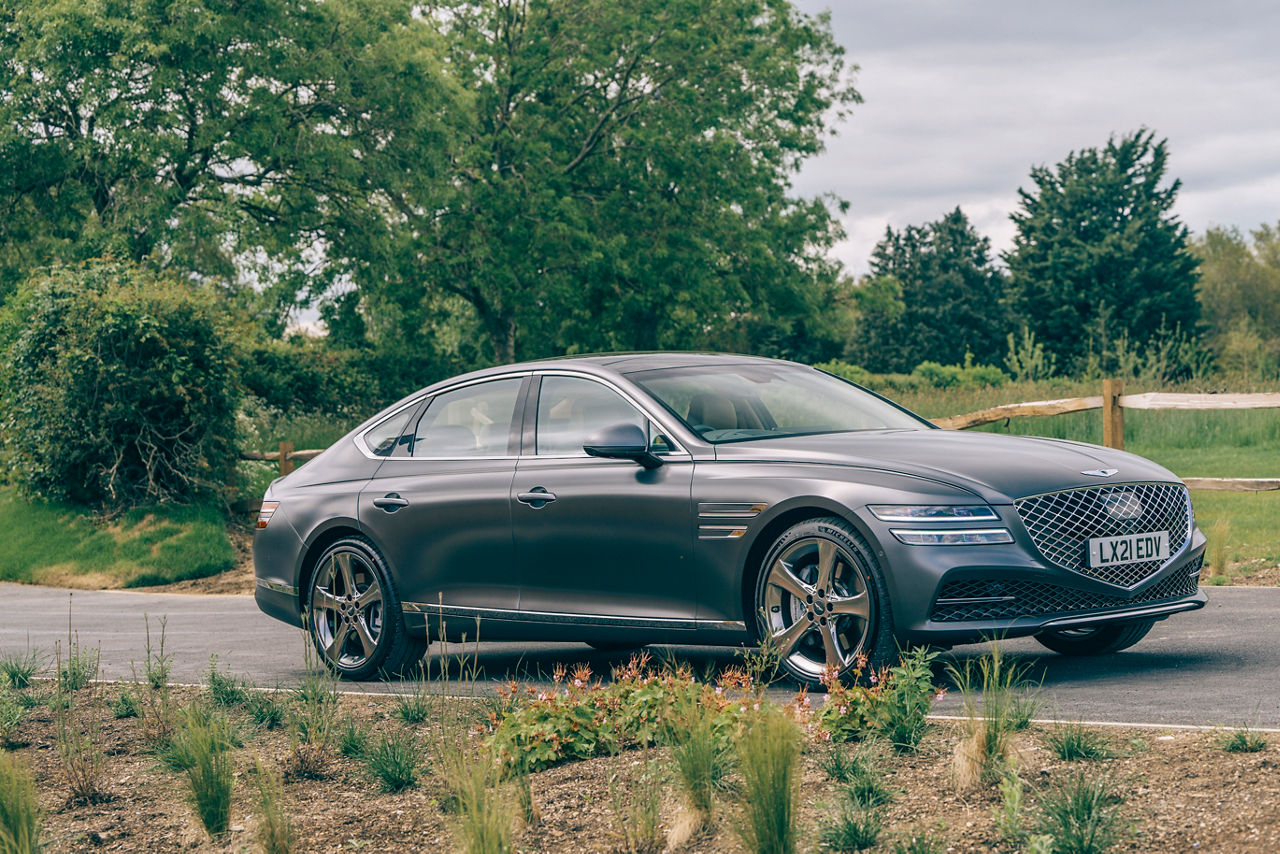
(61, 545)
(1250, 519)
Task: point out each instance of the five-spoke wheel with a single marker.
(820, 601)
(354, 615)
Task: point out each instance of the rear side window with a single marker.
(381, 439)
(474, 421)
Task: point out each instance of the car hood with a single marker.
(1000, 468)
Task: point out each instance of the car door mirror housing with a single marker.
(622, 442)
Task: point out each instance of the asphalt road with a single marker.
(1216, 666)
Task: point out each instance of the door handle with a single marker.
(536, 497)
(391, 502)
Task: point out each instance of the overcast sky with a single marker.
(962, 98)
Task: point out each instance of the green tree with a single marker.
(622, 180)
(1098, 252)
(239, 141)
(1240, 287)
(948, 300)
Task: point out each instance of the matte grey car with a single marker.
(628, 499)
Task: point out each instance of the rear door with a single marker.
(597, 536)
(440, 505)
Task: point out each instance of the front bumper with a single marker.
(948, 595)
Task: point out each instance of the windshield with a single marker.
(734, 403)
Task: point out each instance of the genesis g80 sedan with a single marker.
(712, 499)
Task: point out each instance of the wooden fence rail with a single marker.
(1112, 403)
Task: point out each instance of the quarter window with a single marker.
(572, 410)
(474, 421)
(381, 439)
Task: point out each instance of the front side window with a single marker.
(572, 410)
(733, 403)
(473, 421)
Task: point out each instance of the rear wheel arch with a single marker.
(311, 558)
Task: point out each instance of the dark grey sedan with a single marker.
(621, 500)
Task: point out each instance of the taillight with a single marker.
(265, 513)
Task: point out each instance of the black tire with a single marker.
(1096, 640)
(358, 635)
(824, 622)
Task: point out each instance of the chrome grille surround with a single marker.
(1062, 523)
(1006, 599)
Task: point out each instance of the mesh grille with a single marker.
(1062, 523)
(1034, 598)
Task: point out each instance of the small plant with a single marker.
(1024, 705)
(1009, 815)
(125, 705)
(276, 834)
(197, 723)
(393, 761)
(225, 689)
(867, 788)
(702, 761)
(78, 669)
(80, 751)
(158, 664)
(988, 689)
(265, 710)
(483, 823)
(1072, 742)
(311, 720)
(1216, 552)
(352, 738)
(854, 829)
(1081, 814)
(903, 713)
(1242, 740)
(415, 707)
(837, 764)
(210, 773)
(11, 713)
(18, 669)
(636, 819)
(769, 753)
(19, 808)
(523, 783)
(919, 841)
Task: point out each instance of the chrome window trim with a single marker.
(679, 452)
(360, 443)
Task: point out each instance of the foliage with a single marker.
(769, 756)
(265, 710)
(988, 687)
(11, 714)
(276, 833)
(1026, 358)
(18, 668)
(200, 728)
(1070, 742)
(225, 689)
(483, 820)
(948, 302)
(702, 760)
(1239, 296)
(20, 819)
(210, 774)
(392, 760)
(120, 388)
(1098, 252)
(637, 806)
(79, 750)
(156, 132)
(853, 829)
(353, 738)
(894, 703)
(619, 179)
(1242, 740)
(1081, 814)
(125, 705)
(1010, 816)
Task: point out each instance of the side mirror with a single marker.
(622, 442)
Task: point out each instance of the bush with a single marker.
(19, 809)
(120, 388)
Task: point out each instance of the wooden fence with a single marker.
(1113, 402)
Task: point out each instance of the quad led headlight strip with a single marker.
(926, 513)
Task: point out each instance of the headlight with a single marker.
(982, 537)
(931, 512)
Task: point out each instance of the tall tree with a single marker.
(934, 295)
(623, 178)
(1099, 253)
(220, 138)
(1240, 279)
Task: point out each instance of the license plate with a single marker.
(1131, 548)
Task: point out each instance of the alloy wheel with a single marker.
(346, 609)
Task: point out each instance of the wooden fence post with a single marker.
(1112, 415)
(286, 464)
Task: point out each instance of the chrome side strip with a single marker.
(277, 587)
(730, 511)
(721, 532)
(572, 619)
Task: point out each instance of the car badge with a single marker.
(1100, 472)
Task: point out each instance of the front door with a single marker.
(596, 536)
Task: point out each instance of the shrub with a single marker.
(19, 809)
(959, 376)
(769, 754)
(896, 704)
(120, 388)
(125, 705)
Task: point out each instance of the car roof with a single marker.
(624, 363)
